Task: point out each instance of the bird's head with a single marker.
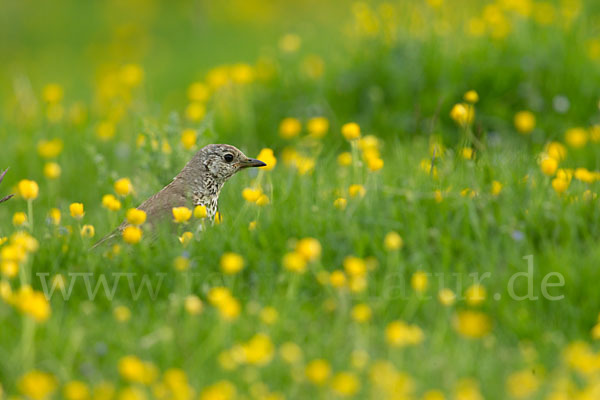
(222, 161)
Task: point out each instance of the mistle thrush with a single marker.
(198, 184)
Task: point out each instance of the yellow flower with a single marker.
(400, 334)
(345, 159)
(123, 187)
(584, 175)
(524, 122)
(131, 75)
(222, 390)
(76, 390)
(200, 212)
(549, 165)
(133, 369)
(576, 137)
(37, 385)
(472, 324)
(560, 185)
(446, 297)
(418, 281)
(463, 114)
(229, 309)
(122, 313)
(181, 214)
(317, 127)
(345, 384)
(132, 234)
(52, 93)
(475, 295)
(29, 190)
(290, 352)
(132, 393)
(289, 128)
(252, 225)
(188, 138)
(496, 188)
(351, 131)
(198, 91)
(356, 190)
(33, 303)
(471, 96)
(76, 210)
(318, 371)
(251, 194)
(337, 279)
(232, 263)
(340, 203)
(522, 384)
(193, 305)
(181, 263)
(52, 170)
(135, 216)
(355, 266)
(88, 231)
(19, 218)
(361, 313)
(263, 200)
(393, 241)
(294, 262)
(374, 164)
(110, 202)
(467, 153)
(105, 130)
(556, 150)
(195, 111)
(467, 389)
(50, 148)
(259, 350)
(309, 248)
(266, 155)
(54, 216)
(185, 238)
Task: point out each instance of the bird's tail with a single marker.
(105, 239)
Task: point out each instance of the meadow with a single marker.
(426, 226)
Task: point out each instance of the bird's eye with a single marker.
(228, 157)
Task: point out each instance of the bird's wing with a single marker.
(158, 208)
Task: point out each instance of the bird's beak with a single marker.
(252, 162)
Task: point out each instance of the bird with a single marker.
(198, 184)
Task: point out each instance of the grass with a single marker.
(469, 218)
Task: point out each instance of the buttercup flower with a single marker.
(181, 214)
(28, 189)
(232, 263)
(351, 131)
(393, 241)
(123, 187)
(132, 234)
(76, 210)
(317, 127)
(318, 371)
(135, 216)
(289, 128)
(294, 262)
(524, 122)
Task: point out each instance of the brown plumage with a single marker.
(198, 183)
